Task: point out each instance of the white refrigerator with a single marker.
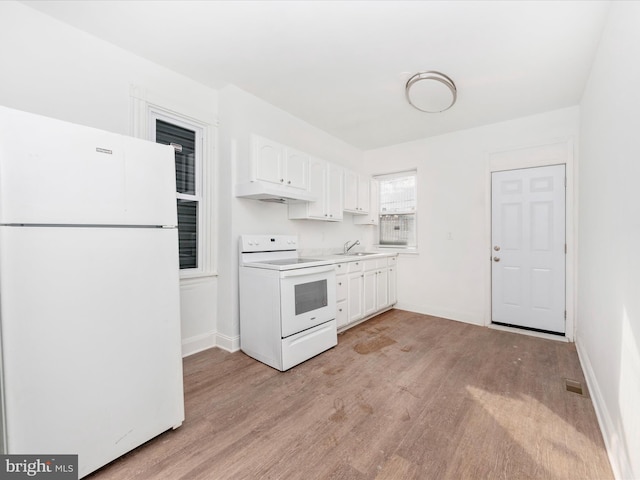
(89, 291)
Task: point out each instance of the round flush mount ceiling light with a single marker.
(431, 92)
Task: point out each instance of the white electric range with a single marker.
(287, 303)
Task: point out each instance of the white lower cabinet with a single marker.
(392, 281)
(370, 288)
(342, 314)
(382, 288)
(355, 282)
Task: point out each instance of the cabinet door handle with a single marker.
(281, 180)
(289, 182)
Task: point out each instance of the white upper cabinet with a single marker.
(372, 217)
(268, 160)
(276, 163)
(350, 191)
(326, 184)
(364, 192)
(296, 169)
(335, 191)
(356, 193)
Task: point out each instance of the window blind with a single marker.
(188, 233)
(184, 142)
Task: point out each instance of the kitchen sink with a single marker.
(358, 254)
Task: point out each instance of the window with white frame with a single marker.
(187, 140)
(398, 210)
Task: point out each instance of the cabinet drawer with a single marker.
(355, 266)
(341, 268)
(341, 287)
(392, 261)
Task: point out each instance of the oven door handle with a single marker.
(299, 272)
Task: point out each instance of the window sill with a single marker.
(195, 275)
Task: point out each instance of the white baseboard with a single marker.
(198, 343)
(464, 317)
(230, 344)
(620, 463)
(208, 340)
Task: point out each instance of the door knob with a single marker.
(496, 248)
(496, 259)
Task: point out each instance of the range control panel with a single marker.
(268, 243)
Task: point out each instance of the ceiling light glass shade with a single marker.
(431, 92)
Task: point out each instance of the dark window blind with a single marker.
(188, 233)
(184, 143)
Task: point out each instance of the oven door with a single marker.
(308, 298)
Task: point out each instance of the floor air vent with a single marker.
(573, 386)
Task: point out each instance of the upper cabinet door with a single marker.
(335, 191)
(317, 187)
(350, 191)
(296, 169)
(356, 193)
(268, 160)
(363, 193)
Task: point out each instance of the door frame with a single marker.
(555, 152)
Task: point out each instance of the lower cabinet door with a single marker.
(355, 282)
(342, 314)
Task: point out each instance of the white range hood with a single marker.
(271, 192)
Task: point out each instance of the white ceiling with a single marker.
(342, 65)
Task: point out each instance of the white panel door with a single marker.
(528, 248)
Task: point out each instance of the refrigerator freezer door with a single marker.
(54, 172)
(91, 345)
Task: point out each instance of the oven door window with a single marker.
(307, 298)
(310, 296)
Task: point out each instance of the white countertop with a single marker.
(350, 257)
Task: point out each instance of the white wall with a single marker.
(240, 115)
(55, 70)
(449, 277)
(608, 336)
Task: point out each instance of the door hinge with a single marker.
(565, 248)
(565, 314)
(565, 182)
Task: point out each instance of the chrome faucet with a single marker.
(347, 247)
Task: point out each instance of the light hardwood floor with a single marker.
(402, 396)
